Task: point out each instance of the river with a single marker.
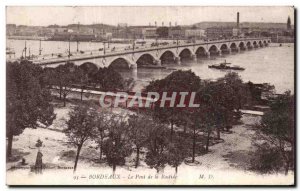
(273, 64)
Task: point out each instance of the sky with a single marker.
(44, 16)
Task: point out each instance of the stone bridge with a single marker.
(160, 55)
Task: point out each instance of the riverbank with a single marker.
(27, 38)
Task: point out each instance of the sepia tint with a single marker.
(150, 95)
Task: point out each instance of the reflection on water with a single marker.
(273, 65)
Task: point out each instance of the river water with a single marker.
(273, 64)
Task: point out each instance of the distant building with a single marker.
(195, 33)
(58, 29)
(10, 29)
(289, 27)
(176, 32)
(138, 32)
(121, 32)
(235, 32)
(149, 32)
(23, 30)
(122, 25)
(245, 31)
(80, 29)
(219, 32)
(65, 36)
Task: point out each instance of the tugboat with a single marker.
(224, 66)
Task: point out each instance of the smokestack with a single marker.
(162, 24)
(238, 20)
(155, 24)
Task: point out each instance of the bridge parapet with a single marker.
(131, 56)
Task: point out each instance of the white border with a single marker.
(4, 3)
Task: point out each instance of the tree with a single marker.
(62, 78)
(241, 91)
(138, 127)
(221, 99)
(67, 79)
(117, 146)
(108, 79)
(90, 69)
(177, 152)
(101, 126)
(277, 129)
(201, 120)
(82, 80)
(157, 143)
(208, 120)
(80, 128)
(28, 103)
(178, 81)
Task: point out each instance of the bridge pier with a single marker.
(177, 60)
(207, 54)
(238, 49)
(194, 57)
(220, 53)
(133, 66)
(157, 62)
(134, 73)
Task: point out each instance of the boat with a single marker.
(10, 51)
(224, 66)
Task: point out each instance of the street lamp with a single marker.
(104, 47)
(133, 44)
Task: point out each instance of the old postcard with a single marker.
(159, 95)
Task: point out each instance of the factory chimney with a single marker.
(238, 20)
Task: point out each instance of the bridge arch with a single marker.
(167, 57)
(242, 45)
(233, 46)
(249, 45)
(145, 59)
(201, 51)
(224, 48)
(186, 53)
(255, 44)
(260, 43)
(121, 63)
(213, 50)
(89, 68)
